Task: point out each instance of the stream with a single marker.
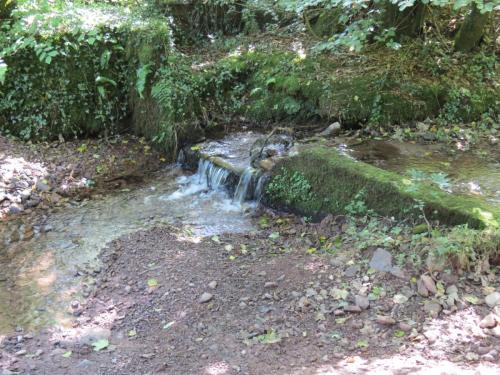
(39, 276)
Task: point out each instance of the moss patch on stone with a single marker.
(336, 179)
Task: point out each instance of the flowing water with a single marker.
(37, 276)
(463, 172)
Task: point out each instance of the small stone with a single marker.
(483, 350)
(421, 289)
(270, 285)
(20, 352)
(489, 321)
(128, 288)
(471, 356)
(212, 284)
(399, 273)
(206, 297)
(362, 302)
(381, 260)
(405, 327)
(42, 186)
(492, 299)
(429, 284)
(267, 164)
(352, 308)
(351, 271)
(385, 320)
(331, 130)
(75, 304)
(495, 331)
(432, 308)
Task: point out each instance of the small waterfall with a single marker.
(244, 185)
(214, 177)
(259, 188)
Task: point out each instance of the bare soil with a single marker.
(273, 307)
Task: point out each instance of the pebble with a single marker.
(20, 352)
(381, 260)
(489, 321)
(429, 284)
(432, 308)
(492, 299)
(212, 284)
(405, 327)
(362, 302)
(352, 308)
(270, 285)
(385, 320)
(205, 297)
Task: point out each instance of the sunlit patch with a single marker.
(218, 368)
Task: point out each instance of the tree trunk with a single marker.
(472, 30)
(408, 22)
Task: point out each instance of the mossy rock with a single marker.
(335, 180)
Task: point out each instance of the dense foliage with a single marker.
(77, 69)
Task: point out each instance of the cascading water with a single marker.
(244, 185)
(259, 187)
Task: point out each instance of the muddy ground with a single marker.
(167, 302)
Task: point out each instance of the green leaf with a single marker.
(100, 345)
(269, 338)
(362, 343)
(152, 283)
(67, 354)
(399, 333)
(132, 333)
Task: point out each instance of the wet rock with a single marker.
(205, 297)
(492, 299)
(385, 320)
(267, 164)
(381, 260)
(331, 130)
(489, 321)
(362, 302)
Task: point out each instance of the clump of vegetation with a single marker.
(290, 188)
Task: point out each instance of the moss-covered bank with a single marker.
(321, 180)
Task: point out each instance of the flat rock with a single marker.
(205, 297)
(381, 260)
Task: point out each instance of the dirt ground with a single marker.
(259, 303)
(36, 177)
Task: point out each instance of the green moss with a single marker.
(335, 180)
